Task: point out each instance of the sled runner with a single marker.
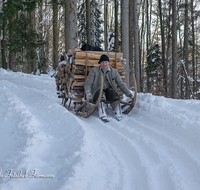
(72, 72)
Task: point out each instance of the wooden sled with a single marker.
(71, 77)
(87, 108)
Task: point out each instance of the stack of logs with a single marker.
(73, 70)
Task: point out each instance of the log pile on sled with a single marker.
(72, 73)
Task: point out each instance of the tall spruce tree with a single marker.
(21, 35)
(96, 22)
(82, 38)
(154, 60)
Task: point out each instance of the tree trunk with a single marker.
(125, 35)
(142, 48)
(186, 54)
(105, 24)
(150, 19)
(196, 54)
(42, 61)
(71, 31)
(147, 41)
(41, 55)
(181, 66)
(31, 51)
(136, 45)
(116, 27)
(163, 49)
(193, 49)
(55, 34)
(12, 57)
(3, 45)
(168, 45)
(88, 22)
(67, 26)
(174, 51)
(47, 38)
(131, 42)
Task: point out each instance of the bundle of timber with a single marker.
(73, 70)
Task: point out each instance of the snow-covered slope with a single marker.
(156, 146)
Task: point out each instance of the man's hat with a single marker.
(104, 58)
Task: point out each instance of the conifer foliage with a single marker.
(82, 39)
(154, 69)
(154, 59)
(96, 21)
(160, 41)
(21, 35)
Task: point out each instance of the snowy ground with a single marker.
(155, 147)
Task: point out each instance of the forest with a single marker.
(160, 40)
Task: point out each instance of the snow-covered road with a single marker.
(156, 146)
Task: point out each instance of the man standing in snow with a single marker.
(110, 92)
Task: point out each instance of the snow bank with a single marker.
(43, 146)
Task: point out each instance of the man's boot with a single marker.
(102, 113)
(117, 110)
